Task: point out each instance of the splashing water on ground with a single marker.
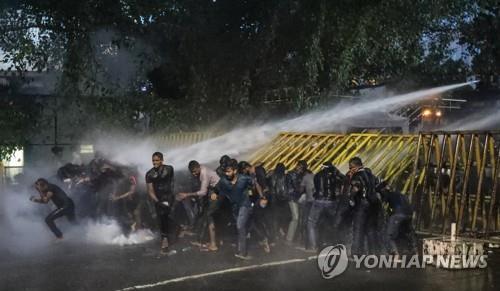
(109, 232)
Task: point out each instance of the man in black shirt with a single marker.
(279, 201)
(326, 183)
(365, 203)
(105, 184)
(160, 185)
(64, 204)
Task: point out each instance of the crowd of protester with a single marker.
(238, 203)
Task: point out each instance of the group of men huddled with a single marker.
(294, 208)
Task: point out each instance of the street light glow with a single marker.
(426, 112)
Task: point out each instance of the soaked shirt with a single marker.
(327, 183)
(398, 203)
(307, 184)
(293, 180)
(162, 179)
(365, 180)
(239, 192)
(208, 179)
(59, 197)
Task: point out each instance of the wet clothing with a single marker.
(208, 210)
(277, 187)
(162, 180)
(366, 182)
(261, 221)
(327, 184)
(366, 210)
(124, 209)
(305, 204)
(68, 210)
(239, 192)
(293, 181)
(398, 203)
(304, 212)
(238, 195)
(400, 221)
(167, 225)
(209, 179)
(279, 209)
(400, 225)
(242, 216)
(307, 185)
(294, 191)
(105, 186)
(262, 224)
(318, 208)
(59, 197)
(360, 227)
(294, 222)
(65, 207)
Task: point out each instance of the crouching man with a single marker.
(400, 220)
(65, 206)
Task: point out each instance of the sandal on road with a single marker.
(209, 249)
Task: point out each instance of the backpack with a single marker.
(278, 187)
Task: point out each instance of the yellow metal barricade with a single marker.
(449, 176)
(456, 180)
(175, 140)
(389, 156)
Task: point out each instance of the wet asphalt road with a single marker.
(71, 266)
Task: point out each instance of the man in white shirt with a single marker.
(209, 200)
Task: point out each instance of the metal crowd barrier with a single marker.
(455, 178)
(181, 139)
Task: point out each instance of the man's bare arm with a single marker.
(44, 198)
(126, 194)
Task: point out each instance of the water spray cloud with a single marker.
(485, 120)
(243, 140)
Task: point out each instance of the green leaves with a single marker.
(211, 59)
(16, 121)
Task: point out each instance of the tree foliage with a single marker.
(201, 59)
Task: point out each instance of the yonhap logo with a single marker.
(332, 261)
